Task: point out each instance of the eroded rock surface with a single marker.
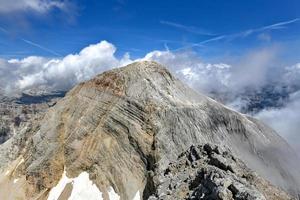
(17, 112)
(210, 172)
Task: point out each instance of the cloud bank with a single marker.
(247, 82)
(285, 120)
(58, 74)
(218, 77)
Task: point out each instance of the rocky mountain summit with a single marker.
(130, 132)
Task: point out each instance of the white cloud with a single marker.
(253, 70)
(286, 120)
(292, 75)
(40, 6)
(59, 74)
(190, 68)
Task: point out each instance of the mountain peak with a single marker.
(124, 127)
(142, 81)
(139, 69)
(143, 64)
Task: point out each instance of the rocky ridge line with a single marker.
(211, 172)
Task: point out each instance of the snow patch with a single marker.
(112, 194)
(57, 190)
(137, 196)
(16, 180)
(83, 188)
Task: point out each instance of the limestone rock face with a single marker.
(124, 127)
(210, 172)
(18, 111)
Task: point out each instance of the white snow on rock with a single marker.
(83, 189)
(112, 194)
(137, 196)
(57, 190)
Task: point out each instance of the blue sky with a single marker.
(139, 27)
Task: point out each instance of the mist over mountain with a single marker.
(255, 84)
(138, 132)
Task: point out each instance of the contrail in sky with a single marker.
(32, 43)
(276, 26)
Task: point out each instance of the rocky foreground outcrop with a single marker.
(212, 172)
(114, 135)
